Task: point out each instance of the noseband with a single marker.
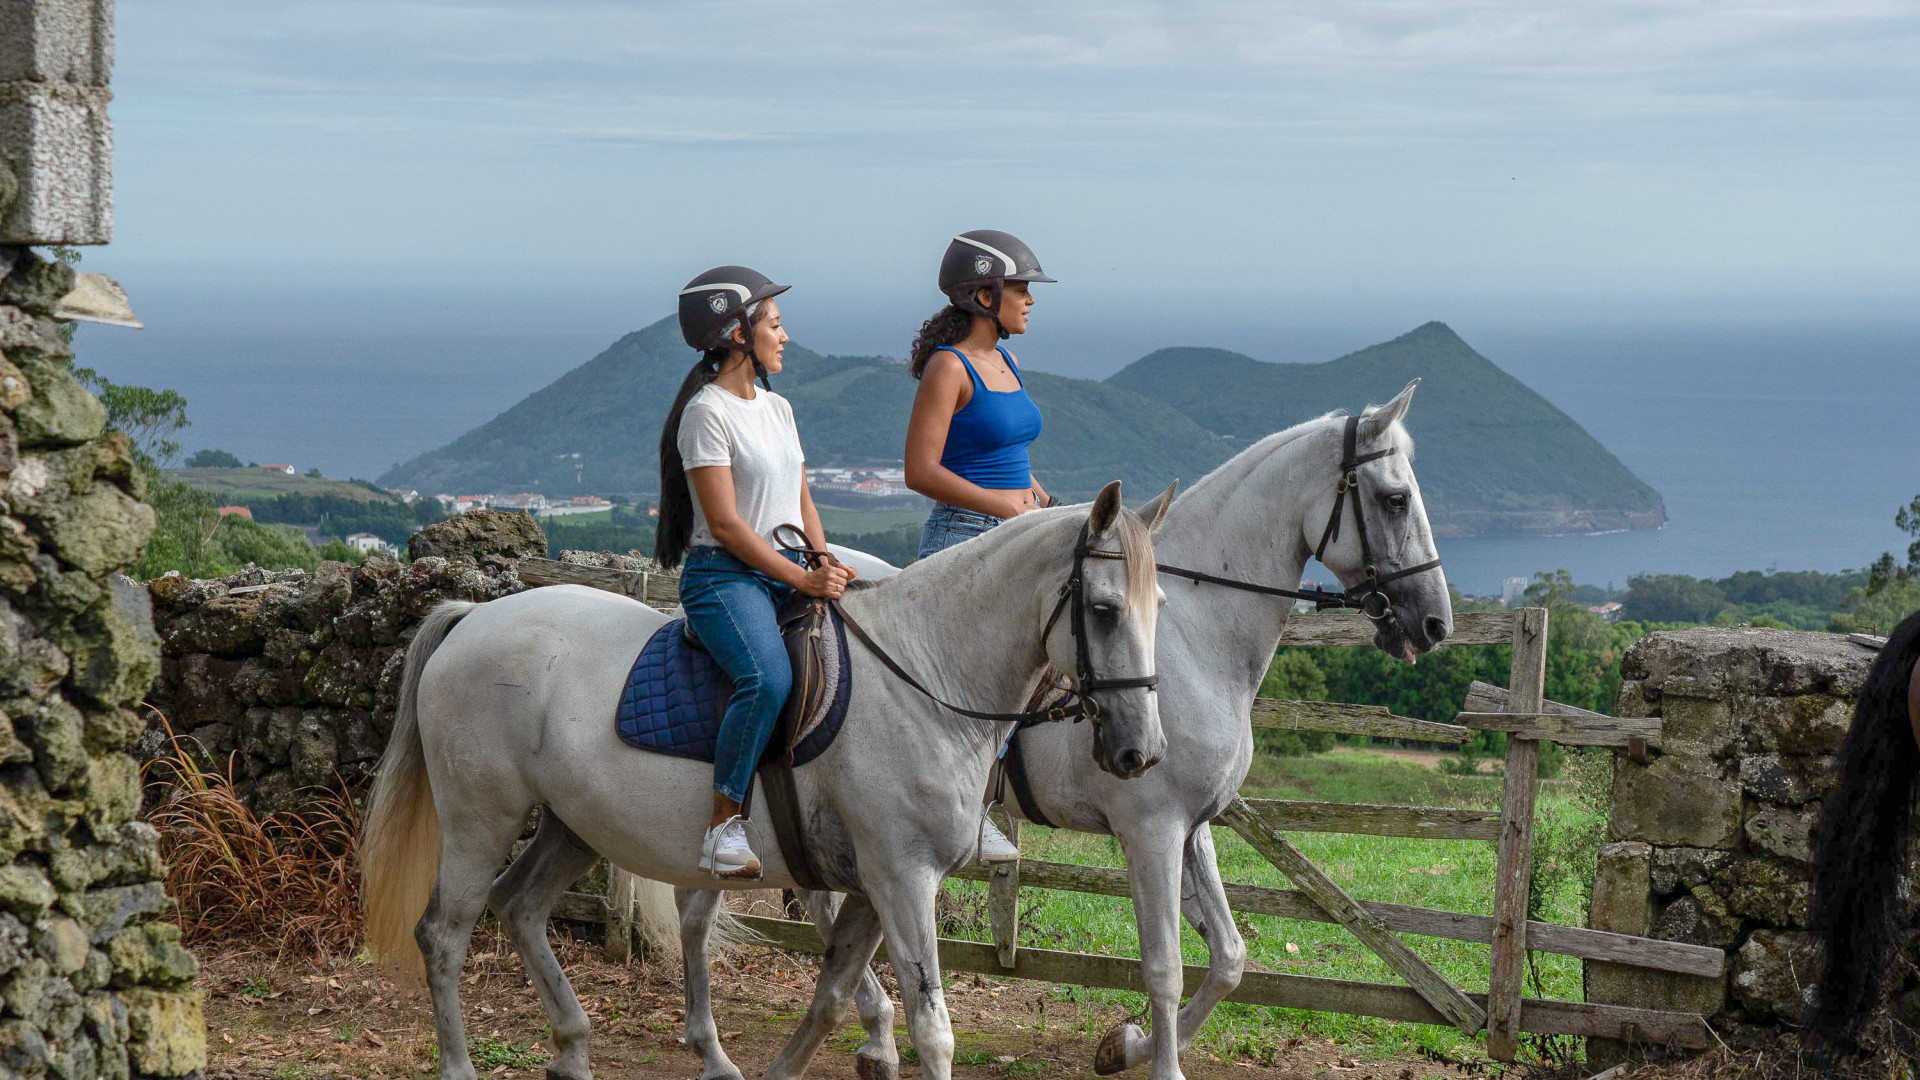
(1075, 704)
(1367, 597)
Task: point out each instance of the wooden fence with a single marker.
(1521, 711)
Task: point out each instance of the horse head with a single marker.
(1381, 546)
(1111, 605)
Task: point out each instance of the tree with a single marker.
(151, 418)
(213, 459)
(1673, 598)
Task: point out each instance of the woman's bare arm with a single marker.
(944, 388)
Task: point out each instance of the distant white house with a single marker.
(531, 503)
(369, 544)
(288, 469)
(884, 480)
(579, 504)
(1512, 591)
(408, 496)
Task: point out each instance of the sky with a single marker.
(1507, 160)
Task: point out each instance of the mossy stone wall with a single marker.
(93, 980)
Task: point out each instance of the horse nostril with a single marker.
(1131, 761)
(1437, 629)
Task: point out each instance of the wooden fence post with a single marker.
(620, 889)
(1003, 902)
(1514, 869)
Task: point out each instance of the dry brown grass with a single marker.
(289, 882)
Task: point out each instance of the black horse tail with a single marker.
(1860, 849)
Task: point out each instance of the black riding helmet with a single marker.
(986, 259)
(714, 302)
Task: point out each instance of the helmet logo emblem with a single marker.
(718, 302)
(982, 265)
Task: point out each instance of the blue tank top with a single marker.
(987, 440)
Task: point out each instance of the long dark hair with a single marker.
(949, 326)
(1860, 849)
(675, 527)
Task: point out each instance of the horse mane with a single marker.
(1860, 848)
(1136, 542)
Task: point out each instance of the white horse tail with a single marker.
(400, 845)
(655, 916)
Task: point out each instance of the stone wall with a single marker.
(289, 678)
(1710, 840)
(94, 981)
(56, 144)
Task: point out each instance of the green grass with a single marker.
(567, 521)
(1453, 875)
(854, 522)
(489, 1053)
(231, 485)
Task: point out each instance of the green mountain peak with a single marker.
(1495, 457)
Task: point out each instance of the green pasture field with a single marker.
(1455, 875)
(854, 522)
(565, 521)
(239, 484)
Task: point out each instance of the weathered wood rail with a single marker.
(1522, 712)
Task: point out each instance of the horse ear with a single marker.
(1380, 417)
(1155, 511)
(1106, 509)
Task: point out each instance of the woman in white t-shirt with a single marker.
(731, 472)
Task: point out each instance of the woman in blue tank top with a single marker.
(972, 419)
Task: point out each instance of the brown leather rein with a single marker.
(1367, 599)
(1077, 704)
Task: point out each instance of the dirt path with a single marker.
(312, 1021)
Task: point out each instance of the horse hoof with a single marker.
(1112, 1055)
(872, 1068)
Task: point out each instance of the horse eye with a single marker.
(1397, 500)
(1106, 610)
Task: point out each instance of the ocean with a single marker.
(1775, 447)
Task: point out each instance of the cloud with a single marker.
(1363, 138)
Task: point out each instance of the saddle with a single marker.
(676, 694)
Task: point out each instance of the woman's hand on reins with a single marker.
(827, 582)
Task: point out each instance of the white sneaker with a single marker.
(994, 845)
(725, 853)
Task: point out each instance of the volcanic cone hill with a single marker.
(1495, 458)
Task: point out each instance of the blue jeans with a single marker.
(949, 525)
(732, 608)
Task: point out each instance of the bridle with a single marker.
(1074, 704)
(1367, 597)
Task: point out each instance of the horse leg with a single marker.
(906, 909)
(878, 1058)
(698, 909)
(856, 933)
(1204, 902)
(521, 899)
(1154, 865)
(470, 852)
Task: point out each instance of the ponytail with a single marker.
(675, 529)
(949, 326)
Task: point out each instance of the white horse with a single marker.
(1255, 519)
(509, 705)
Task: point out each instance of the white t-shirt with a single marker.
(758, 441)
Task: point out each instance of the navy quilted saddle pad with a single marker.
(676, 693)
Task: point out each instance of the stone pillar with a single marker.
(56, 144)
(1710, 838)
(92, 976)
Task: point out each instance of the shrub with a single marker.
(284, 878)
